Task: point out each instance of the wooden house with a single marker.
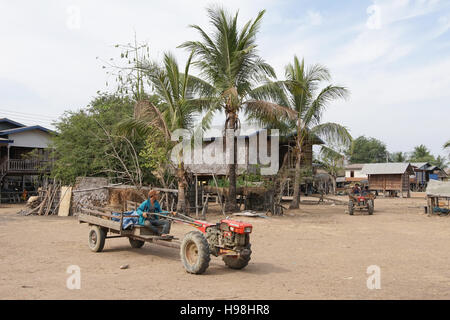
(17, 167)
(423, 173)
(389, 177)
(245, 163)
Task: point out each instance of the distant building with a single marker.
(423, 172)
(250, 162)
(353, 172)
(18, 168)
(244, 157)
(390, 177)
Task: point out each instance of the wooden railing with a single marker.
(27, 165)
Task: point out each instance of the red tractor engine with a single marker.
(227, 237)
(361, 199)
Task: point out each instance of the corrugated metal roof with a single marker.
(17, 130)
(4, 140)
(438, 188)
(354, 166)
(17, 124)
(385, 168)
(419, 165)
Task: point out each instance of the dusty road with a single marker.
(317, 252)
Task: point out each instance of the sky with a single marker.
(393, 56)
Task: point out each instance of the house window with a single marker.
(352, 174)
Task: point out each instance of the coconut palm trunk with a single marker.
(295, 204)
(228, 60)
(334, 184)
(231, 150)
(181, 177)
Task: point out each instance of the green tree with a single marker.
(397, 157)
(447, 146)
(421, 154)
(307, 100)
(80, 146)
(367, 150)
(440, 162)
(228, 60)
(332, 162)
(174, 105)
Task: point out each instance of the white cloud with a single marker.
(49, 54)
(392, 11)
(314, 17)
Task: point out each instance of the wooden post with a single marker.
(205, 207)
(7, 158)
(196, 196)
(220, 196)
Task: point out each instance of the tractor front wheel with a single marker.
(238, 262)
(194, 252)
(350, 207)
(370, 206)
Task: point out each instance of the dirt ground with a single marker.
(317, 252)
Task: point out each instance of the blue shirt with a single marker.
(147, 206)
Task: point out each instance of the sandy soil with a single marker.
(318, 252)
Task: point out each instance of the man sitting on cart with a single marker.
(152, 222)
(356, 189)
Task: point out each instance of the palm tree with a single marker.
(440, 162)
(173, 107)
(398, 157)
(447, 144)
(228, 61)
(421, 154)
(308, 103)
(332, 162)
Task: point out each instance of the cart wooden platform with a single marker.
(104, 225)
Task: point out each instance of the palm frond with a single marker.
(330, 153)
(333, 133)
(268, 111)
(447, 144)
(317, 107)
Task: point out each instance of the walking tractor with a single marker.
(228, 238)
(361, 202)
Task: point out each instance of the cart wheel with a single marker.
(136, 243)
(350, 207)
(97, 238)
(238, 262)
(194, 252)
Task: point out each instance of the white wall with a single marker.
(30, 139)
(358, 174)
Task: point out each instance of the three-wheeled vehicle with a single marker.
(227, 238)
(365, 201)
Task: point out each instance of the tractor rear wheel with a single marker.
(238, 262)
(136, 243)
(97, 238)
(370, 206)
(350, 207)
(194, 252)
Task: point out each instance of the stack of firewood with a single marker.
(46, 203)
